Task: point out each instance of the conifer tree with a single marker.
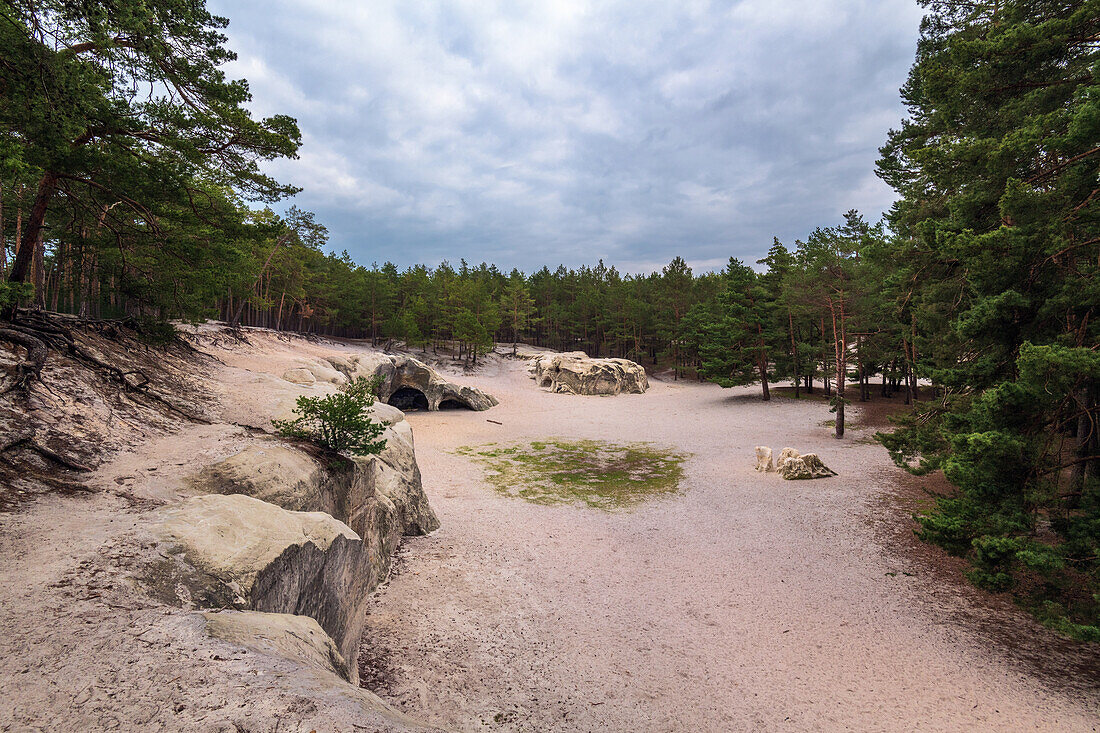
(999, 230)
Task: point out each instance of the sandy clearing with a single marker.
(744, 603)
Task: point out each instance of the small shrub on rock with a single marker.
(338, 421)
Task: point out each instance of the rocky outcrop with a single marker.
(297, 638)
(289, 529)
(576, 373)
(793, 466)
(238, 552)
(299, 375)
(408, 383)
(764, 459)
(380, 497)
(311, 371)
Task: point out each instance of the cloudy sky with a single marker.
(563, 131)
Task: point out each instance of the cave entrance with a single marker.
(452, 405)
(408, 399)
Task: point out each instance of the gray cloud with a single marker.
(562, 132)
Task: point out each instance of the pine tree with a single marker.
(999, 227)
(734, 349)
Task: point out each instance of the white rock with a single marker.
(299, 375)
(793, 466)
(764, 459)
(285, 635)
(576, 373)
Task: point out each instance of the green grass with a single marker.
(591, 473)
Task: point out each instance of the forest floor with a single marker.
(740, 602)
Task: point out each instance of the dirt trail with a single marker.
(744, 603)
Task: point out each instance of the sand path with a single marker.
(744, 603)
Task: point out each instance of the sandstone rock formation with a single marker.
(238, 552)
(380, 497)
(298, 638)
(793, 466)
(299, 375)
(371, 501)
(577, 373)
(764, 459)
(410, 384)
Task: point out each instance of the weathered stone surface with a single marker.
(576, 373)
(785, 455)
(297, 638)
(380, 497)
(410, 384)
(342, 365)
(275, 473)
(793, 466)
(764, 459)
(239, 552)
(299, 375)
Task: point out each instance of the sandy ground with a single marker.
(744, 603)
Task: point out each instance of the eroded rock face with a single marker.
(764, 459)
(380, 497)
(297, 638)
(576, 373)
(406, 380)
(794, 466)
(239, 552)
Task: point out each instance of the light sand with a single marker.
(745, 603)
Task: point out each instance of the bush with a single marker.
(154, 332)
(338, 421)
(12, 294)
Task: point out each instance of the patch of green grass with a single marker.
(848, 425)
(592, 473)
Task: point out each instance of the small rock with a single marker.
(764, 462)
(793, 466)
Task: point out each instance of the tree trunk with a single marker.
(762, 361)
(38, 268)
(279, 317)
(794, 352)
(47, 185)
(3, 239)
(910, 396)
(840, 337)
(1085, 440)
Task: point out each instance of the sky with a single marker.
(563, 132)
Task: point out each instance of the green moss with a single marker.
(593, 473)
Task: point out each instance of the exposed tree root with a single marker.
(26, 440)
(29, 369)
(37, 332)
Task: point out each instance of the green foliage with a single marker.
(995, 264)
(732, 348)
(12, 294)
(125, 110)
(338, 421)
(155, 332)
